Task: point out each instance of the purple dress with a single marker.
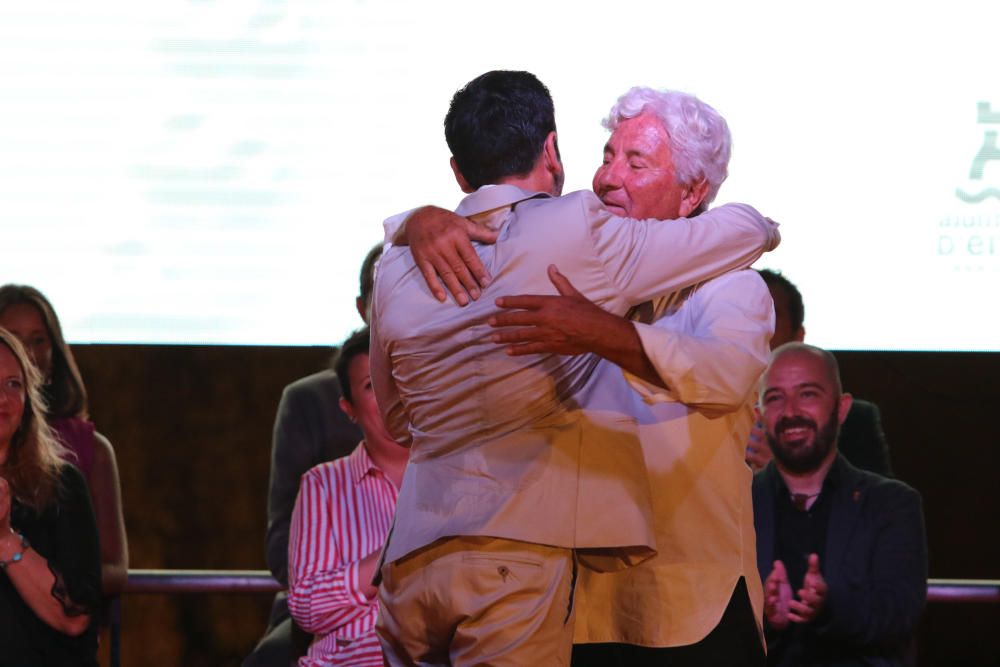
(78, 436)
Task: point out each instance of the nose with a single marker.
(790, 407)
(608, 176)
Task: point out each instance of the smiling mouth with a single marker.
(794, 433)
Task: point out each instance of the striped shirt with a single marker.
(342, 515)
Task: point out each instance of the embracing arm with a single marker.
(441, 242)
(645, 259)
(569, 324)
(716, 364)
(105, 492)
(324, 591)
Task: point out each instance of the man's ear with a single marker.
(348, 409)
(799, 335)
(844, 407)
(692, 198)
(551, 152)
(460, 179)
(553, 163)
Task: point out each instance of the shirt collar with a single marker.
(494, 197)
(360, 464)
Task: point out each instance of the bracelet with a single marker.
(18, 555)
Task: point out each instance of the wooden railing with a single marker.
(141, 582)
(261, 581)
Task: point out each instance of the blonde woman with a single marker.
(50, 576)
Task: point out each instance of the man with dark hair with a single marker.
(496, 127)
(789, 311)
(842, 551)
(341, 518)
(862, 440)
(309, 429)
(510, 483)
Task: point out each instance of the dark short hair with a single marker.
(357, 343)
(64, 391)
(796, 309)
(367, 278)
(497, 124)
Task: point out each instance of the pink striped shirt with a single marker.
(342, 515)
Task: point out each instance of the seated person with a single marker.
(862, 441)
(341, 520)
(50, 568)
(309, 429)
(26, 313)
(842, 551)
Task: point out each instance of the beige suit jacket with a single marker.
(500, 446)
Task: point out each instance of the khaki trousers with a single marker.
(478, 601)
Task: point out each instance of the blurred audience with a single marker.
(842, 551)
(310, 428)
(26, 313)
(50, 568)
(862, 441)
(341, 520)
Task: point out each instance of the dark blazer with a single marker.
(309, 429)
(862, 441)
(875, 566)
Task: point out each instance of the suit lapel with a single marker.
(844, 513)
(764, 517)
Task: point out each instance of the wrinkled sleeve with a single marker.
(76, 557)
(323, 589)
(716, 363)
(648, 258)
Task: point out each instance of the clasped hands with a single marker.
(780, 608)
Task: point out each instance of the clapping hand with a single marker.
(811, 596)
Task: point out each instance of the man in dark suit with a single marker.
(842, 551)
(862, 441)
(309, 429)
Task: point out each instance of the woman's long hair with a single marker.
(33, 458)
(64, 391)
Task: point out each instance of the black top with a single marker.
(799, 533)
(65, 534)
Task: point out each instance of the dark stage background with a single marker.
(192, 429)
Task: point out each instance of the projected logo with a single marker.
(988, 153)
(969, 239)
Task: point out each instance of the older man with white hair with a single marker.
(692, 359)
